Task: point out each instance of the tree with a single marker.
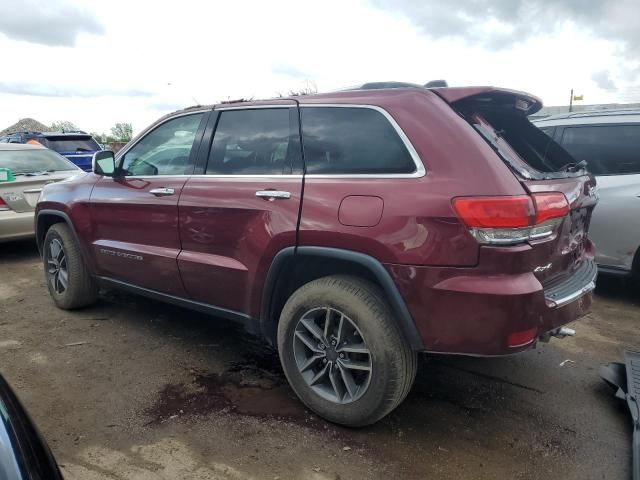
(98, 137)
(63, 126)
(122, 131)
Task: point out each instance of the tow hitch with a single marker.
(625, 379)
(558, 333)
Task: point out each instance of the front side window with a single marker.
(165, 150)
(608, 149)
(349, 140)
(253, 142)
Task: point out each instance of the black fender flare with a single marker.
(396, 302)
(65, 218)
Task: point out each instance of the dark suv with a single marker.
(351, 230)
(77, 146)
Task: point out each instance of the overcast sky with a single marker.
(99, 62)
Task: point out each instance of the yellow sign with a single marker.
(578, 97)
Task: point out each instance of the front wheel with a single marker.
(69, 282)
(342, 351)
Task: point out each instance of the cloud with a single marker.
(46, 22)
(49, 90)
(603, 80)
(290, 71)
(497, 24)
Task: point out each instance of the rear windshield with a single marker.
(522, 144)
(34, 161)
(72, 144)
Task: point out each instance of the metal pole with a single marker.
(571, 101)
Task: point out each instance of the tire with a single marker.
(80, 289)
(367, 321)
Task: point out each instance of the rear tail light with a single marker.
(514, 219)
(3, 205)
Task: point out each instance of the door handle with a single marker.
(162, 192)
(272, 194)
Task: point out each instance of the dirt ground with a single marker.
(135, 389)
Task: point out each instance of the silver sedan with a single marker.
(24, 170)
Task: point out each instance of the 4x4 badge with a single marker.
(542, 268)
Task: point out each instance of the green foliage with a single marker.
(122, 131)
(63, 126)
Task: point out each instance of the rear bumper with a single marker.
(16, 226)
(462, 311)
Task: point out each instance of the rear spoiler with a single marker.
(520, 101)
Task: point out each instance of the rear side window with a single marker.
(261, 141)
(608, 150)
(343, 140)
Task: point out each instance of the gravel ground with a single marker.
(133, 388)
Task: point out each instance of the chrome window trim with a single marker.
(420, 170)
(299, 176)
(252, 107)
(144, 133)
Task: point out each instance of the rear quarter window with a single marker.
(344, 140)
(608, 149)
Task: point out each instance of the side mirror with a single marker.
(104, 163)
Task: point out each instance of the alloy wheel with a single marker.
(332, 355)
(57, 266)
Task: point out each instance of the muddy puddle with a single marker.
(254, 386)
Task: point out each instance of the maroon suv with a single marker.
(351, 230)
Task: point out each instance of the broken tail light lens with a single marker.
(512, 219)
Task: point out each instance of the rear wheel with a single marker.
(343, 352)
(69, 282)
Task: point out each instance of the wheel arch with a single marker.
(45, 219)
(293, 267)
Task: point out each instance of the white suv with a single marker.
(609, 141)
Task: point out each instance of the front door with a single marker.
(244, 209)
(135, 215)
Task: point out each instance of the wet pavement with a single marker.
(133, 388)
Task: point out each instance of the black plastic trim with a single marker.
(394, 298)
(55, 213)
(240, 317)
(614, 271)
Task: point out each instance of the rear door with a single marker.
(612, 153)
(243, 206)
(135, 215)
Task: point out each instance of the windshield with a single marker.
(72, 144)
(31, 161)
